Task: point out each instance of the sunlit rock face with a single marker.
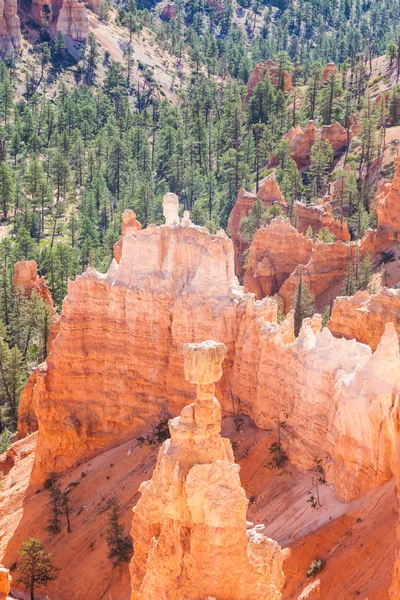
(270, 194)
(10, 30)
(26, 278)
(189, 527)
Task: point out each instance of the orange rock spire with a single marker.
(189, 527)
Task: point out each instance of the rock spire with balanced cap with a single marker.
(189, 527)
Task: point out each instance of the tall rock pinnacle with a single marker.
(189, 526)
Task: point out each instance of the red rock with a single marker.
(388, 205)
(270, 194)
(330, 70)
(168, 11)
(326, 267)
(73, 20)
(275, 252)
(301, 142)
(267, 69)
(336, 135)
(5, 580)
(10, 31)
(318, 216)
(364, 316)
(129, 225)
(27, 279)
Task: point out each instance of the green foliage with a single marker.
(35, 567)
(366, 272)
(257, 218)
(119, 546)
(303, 304)
(325, 235)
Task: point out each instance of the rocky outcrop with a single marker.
(318, 216)
(10, 30)
(73, 20)
(336, 135)
(270, 194)
(300, 142)
(168, 11)
(274, 254)
(116, 363)
(329, 71)
(189, 528)
(172, 284)
(269, 69)
(364, 316)
(5, 581)
(325, 269)
(27, 279)
(388, 204)
(363, 432)
(67, 16)
(129, 225)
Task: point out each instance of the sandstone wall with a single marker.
(10, 31)
(270, 194)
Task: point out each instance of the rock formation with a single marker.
(189, 528)
(325, 269)
(172, 284)
(318, 216)
(270, 69)
(5, 580)
(129, 225)
(10, 31)
(168, 11)
(67, 16)
(27, 279)
(330, 70)
(116, 362)
(171, 209)
(302, 140)
(275, 252)
(270, 194)
(388, 204)
(73, 20)
(336, 135)
(364, 316)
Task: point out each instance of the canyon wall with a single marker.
(70, 17)
(10, 30)
(190, 532)
(116, 363)
(27, 279)
(269, 193)
(364, 316)
(318, 216)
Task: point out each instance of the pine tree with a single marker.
(303, 304)
(35, 568)
(257, 218)
(119, 546)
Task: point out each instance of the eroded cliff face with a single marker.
(388, 204)
(364, 316)
(275, 252)
(27, 279)
(279, 253)
(269, 69)
(5, 580)
(270, 194)
(318, 216)
(120, 338)
(67, 16)
(189, 528)
(10, 31)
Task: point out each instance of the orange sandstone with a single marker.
(270, 194)
(27, 279)
(189, 527)
(318, 216)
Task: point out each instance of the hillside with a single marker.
(200, 300)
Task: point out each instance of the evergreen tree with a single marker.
(35, 568)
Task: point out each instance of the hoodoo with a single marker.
(189, 527)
